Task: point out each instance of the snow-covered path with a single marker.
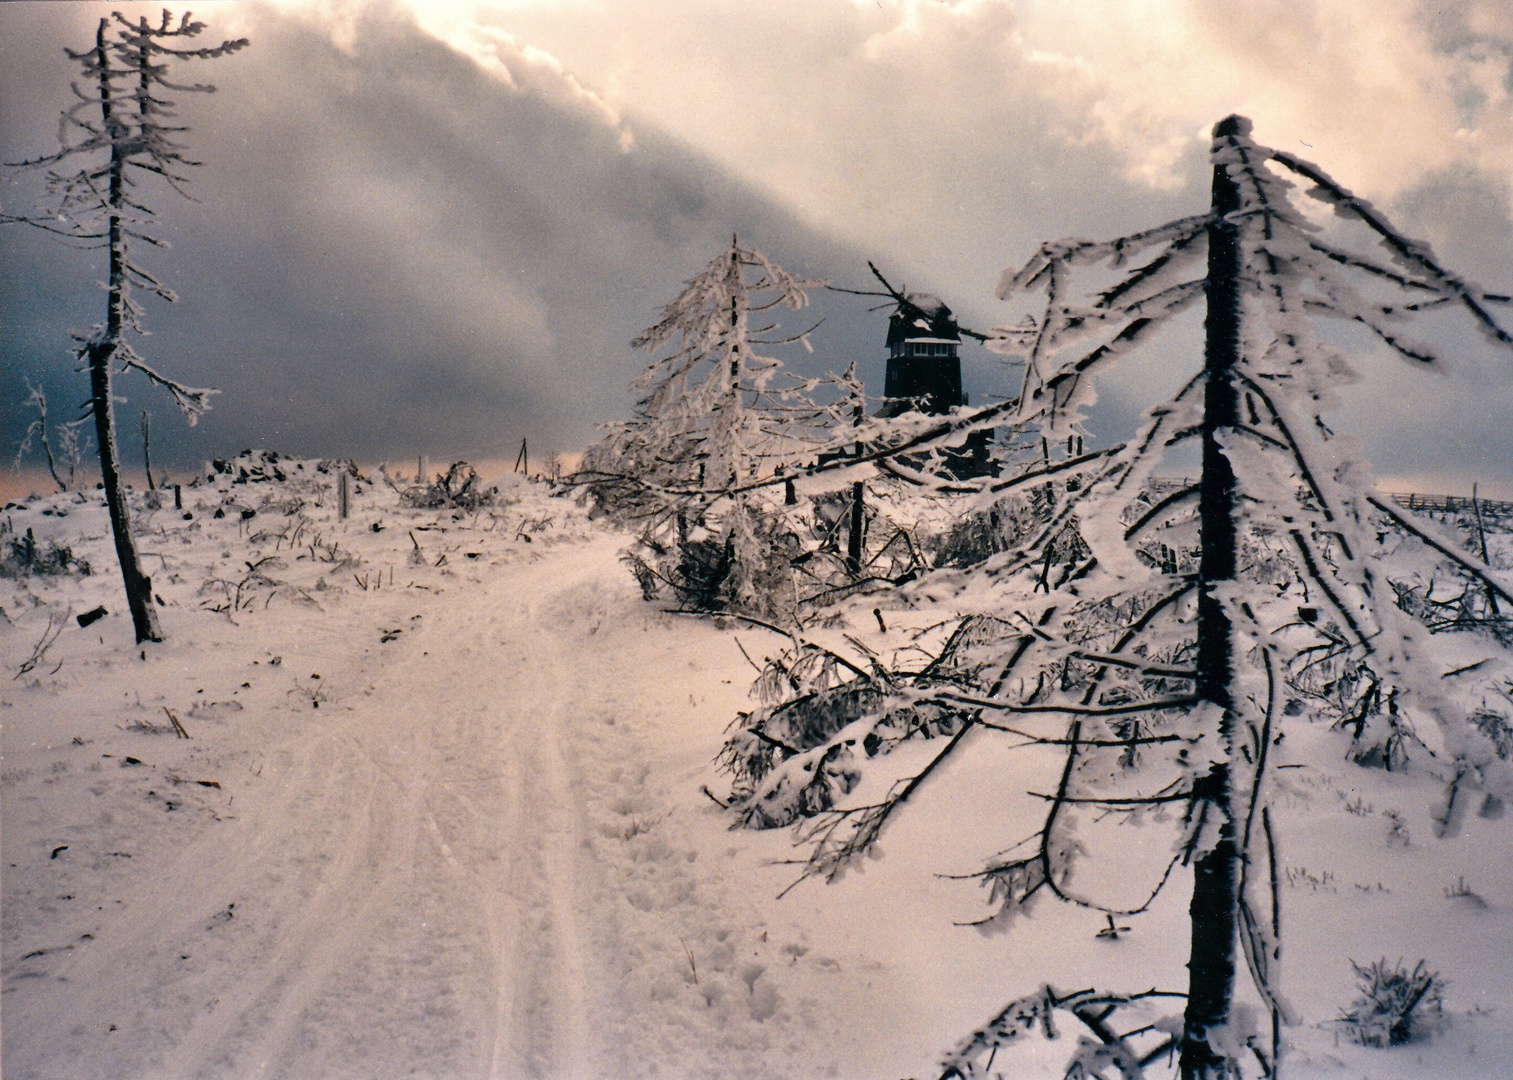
(440, 813)
(403, 895)
(405, 889)
(453, 827)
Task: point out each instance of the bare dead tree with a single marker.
(38, 429)
(118, 132)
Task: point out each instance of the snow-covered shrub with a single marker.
(459, 488)
(25, 557)
(696, 572)
(253, 467)
(1382, 736)
(822, 716)
(1127, 1055)
(1395, 1005)
(785, 758)
(976, 536)
(703, 571)
(1454, 600)
(1497, 728)
(740, 558)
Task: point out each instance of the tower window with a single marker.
(923, 348)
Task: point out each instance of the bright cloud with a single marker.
(813, 99)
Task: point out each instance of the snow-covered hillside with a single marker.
(440, 812)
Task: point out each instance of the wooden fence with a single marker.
(1451, 504)
(1491, 509)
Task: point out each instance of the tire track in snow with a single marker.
(561, 845)
(252, 1025)
(419, 710)
(505, 938)
(307, 964)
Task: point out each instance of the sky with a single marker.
(435, 227)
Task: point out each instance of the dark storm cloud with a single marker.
(400, 247)
(392, 252)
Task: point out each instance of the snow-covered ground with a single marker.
(441, 813)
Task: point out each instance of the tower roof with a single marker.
(922, 317)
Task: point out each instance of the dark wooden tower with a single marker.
(924, 374)
(924, 368)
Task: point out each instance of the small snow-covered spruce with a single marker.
(1163, 669)
(698, 429)
(118, 132)
(1396, 1005)
(718, 424)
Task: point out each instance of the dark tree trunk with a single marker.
(1216, 878)
(858, 523)
(100, 353)
(854, 533)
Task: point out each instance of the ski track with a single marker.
(406, 899)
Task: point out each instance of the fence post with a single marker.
(343, 494)
(147, 449)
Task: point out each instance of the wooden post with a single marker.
(147, 449)
(1481, 534)
(858, 515)
(344, 494)
(1214, 909)
(421, 475)
(178, 497)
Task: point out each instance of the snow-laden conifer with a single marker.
(1162, 633)
(718, 425)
